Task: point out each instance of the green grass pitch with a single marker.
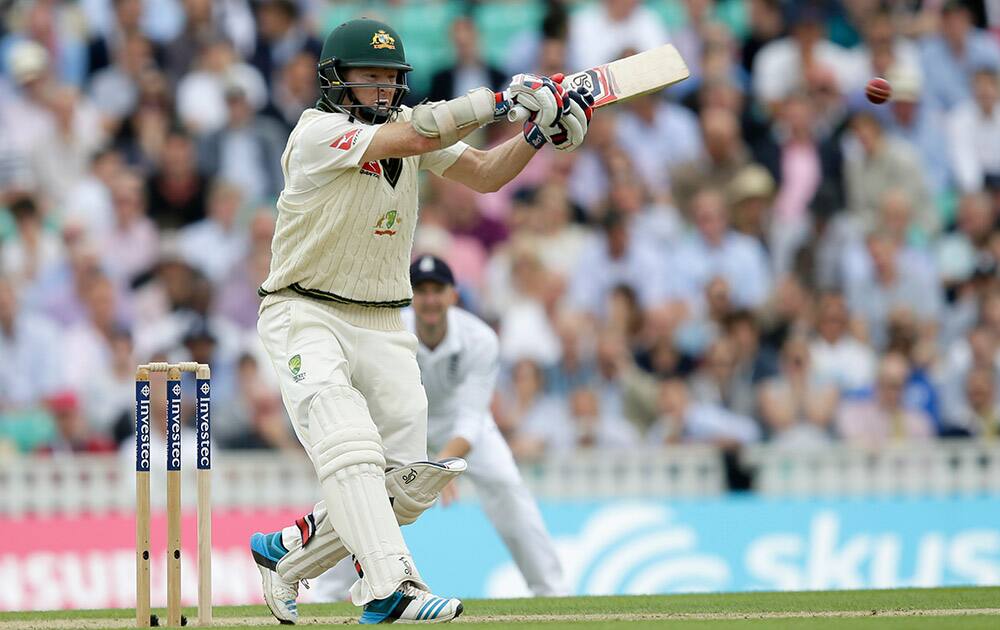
(945, 608)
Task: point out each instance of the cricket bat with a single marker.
(624, 78)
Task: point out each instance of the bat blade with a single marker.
(625, 78)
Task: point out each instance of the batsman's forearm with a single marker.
(504, 162)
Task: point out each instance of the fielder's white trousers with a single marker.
(315, 348)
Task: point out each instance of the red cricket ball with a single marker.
(878, 90)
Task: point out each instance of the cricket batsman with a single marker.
(331, 319)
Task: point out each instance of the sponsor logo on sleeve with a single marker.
(346, 141)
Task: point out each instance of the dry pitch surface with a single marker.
(964, 608)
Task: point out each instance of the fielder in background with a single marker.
(331, 319)
(459, 361)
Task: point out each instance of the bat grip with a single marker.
(518, 113)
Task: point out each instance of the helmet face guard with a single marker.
(338, 95)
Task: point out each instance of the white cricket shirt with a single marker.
(459, 376)
(345, 228)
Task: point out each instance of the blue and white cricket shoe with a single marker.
(279, 595)
(411, 605)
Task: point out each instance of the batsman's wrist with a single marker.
(533, 135)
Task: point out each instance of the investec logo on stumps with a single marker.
(174, 428)
(142, 429)
(204, 425)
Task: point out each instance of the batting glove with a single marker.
(539, 95)
(570, 131)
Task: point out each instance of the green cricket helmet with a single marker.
(361, 43)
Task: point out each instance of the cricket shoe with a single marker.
(410, 604)
(279, 594)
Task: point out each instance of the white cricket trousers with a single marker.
(348, 371)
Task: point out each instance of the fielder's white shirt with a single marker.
(345, 228)
(459, 376)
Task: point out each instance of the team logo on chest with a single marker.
(385, 223)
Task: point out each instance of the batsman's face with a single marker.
(377, 97)
(431, 301)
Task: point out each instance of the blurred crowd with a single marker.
(756, 254)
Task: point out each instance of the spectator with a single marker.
(200, 30)
(177, 191)
(131, 245)
(980, 416)
(884, 50)
(717, 383)
(878, 164)
(658, 135)
(141, 137)
(838, 357)
(916, 121)
(256, 417)
(598, 33)
(883, 419)
(575, 367)
(725, 155)
(896, 221)
(714, 249)
(108, 395)
(73, 435)
(63, 153)
(107, 44)
(974, 132)
(237, 300)
(754, 361)
(89, 202)
(35, 251)
(959, 252)
(893, 287)
(215, 244)
(784, 65)
(24, 115)
(115, 88)
(800, 162)
(294, 91)
(280, 37)
(246, 152)
(561, 242)
(27, 339)
(977, 349)
(614, 259)
(766, 24)
(950, 57)
(524, 404)
(469, 70)
(89, 340)
(582, 424)
(796, 406)
(750, 197)
(201, 94)
(683, 420)
(53, 25)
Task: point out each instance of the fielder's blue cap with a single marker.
(430, 268)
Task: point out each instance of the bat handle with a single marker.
(518, 113)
